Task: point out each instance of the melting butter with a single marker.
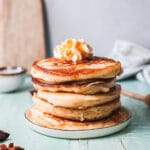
(73, 50)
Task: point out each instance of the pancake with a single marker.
(90, 113)
(91, 86)
(80, 101)
(49, 121)
(55, 70)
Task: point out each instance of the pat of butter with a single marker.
(73, 50)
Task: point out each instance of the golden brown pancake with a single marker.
(90, 113)
(80, 101)
(55, 70)
(91, 86)
(49, 121)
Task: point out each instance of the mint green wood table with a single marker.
(135, 136)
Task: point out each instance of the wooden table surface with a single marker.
(135, 136)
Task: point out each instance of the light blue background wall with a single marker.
(99, 22)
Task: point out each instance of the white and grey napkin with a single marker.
(134, 58)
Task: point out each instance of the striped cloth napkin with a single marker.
(134, 58)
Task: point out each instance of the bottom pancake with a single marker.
(90, 113)
(49, 121)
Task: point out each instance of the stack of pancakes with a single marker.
(75, 95)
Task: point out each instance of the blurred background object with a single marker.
(134, 58)
(21, 32)
(99, 22)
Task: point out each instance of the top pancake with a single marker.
(55, 70)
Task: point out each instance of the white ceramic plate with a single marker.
(79, 134)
